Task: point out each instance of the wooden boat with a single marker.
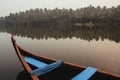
(63, 71)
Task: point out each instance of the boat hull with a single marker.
(65, 72)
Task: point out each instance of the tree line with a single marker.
(90, 14)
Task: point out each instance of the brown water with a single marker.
(101, 53)
(104, 55)
(9, 63)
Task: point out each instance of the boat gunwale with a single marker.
(24, 63)
(52, 59)
(69, 63)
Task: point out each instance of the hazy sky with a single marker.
(7, 6)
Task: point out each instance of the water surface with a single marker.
(10, 66)
(98, 48)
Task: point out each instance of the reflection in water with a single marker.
(97, 46)
(101, 54)
(23, 75)
(9, 63)
(58, 32)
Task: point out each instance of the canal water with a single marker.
(103, 54)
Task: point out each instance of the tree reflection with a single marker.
(57, 31)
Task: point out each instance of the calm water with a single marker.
(88, 51)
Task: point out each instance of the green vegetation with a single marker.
(88, 16)
(87, 24)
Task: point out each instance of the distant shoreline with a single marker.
(88, 16)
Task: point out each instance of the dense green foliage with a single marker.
(90, 15)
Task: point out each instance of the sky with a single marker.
(12, 6)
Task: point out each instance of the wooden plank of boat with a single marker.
(86, 74)
(42, 67)
(66, 71)
(34, 62)
(47, 68)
